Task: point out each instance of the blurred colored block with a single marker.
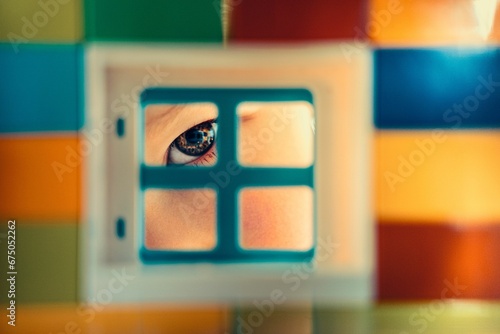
(153, 20)
(422, 261)
(435, 317)
(434, 22)
(429, 177)
(437, 88)
(46, 262)
(194, 319)
(41, 318)
(284, 20)
(40, 179)
(343, 319)
(123, 319)
(457, 317)
(41, 88)
(267, 317)
(27, 21)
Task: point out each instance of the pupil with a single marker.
(194, 137)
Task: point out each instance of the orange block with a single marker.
(433, 22)
(40, 178)
(435, 177)
(97, 318)
(43, 318)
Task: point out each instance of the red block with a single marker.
(438, 261)
(295, 20)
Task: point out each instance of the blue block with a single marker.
(447, 88)
(41, 88)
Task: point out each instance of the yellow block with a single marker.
(427, 177)
(433, 22)
(24, 21)
(40, 178)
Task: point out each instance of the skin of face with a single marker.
(269, 135)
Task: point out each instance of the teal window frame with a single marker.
(227, 248)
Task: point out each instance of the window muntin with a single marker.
(223, 194)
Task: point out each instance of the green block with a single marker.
(347, 319)
(153, 20)
(35, 21)
(46, 263)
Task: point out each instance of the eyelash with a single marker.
(194, 144)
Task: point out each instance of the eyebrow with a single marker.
(248, 110)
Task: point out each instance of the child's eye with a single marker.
(192, 144)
